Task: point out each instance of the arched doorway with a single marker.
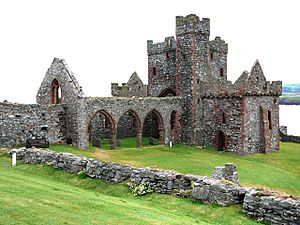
(174, 126)
(102, 128)
(129, 125)
(220, 141)
(56, 95)
(168, 92)
(153, 126)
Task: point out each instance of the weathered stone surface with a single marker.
(217, 191)
(199, 105)
(271, 207)
(258, 204)
(161, 181)
(19, 122)
(229, 173)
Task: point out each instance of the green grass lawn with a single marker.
(39, 194)
(279, 170)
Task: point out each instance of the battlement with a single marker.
(192, 23)
(218, 45)
(134, 87)
(161, 47)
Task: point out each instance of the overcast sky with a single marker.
(105, 41)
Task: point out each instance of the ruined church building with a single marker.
(188, 99)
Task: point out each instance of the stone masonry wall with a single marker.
(161, 181)
(19, 122)
(223, 188)
(134, 87)
(161, 66)
(260, 134)
(115, 108)
(213, 111)
(71, 94)
(271, 207)
(218, 58)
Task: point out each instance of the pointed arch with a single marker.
(56, 94)
(167, 92)
(109, 123)
(134, 122)
(156, 122)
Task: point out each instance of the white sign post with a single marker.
(171, 144)
(14, 159)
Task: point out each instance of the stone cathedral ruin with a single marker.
(188, 99)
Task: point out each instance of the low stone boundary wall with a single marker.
(160, 181)
(271, 207)
(222, 188)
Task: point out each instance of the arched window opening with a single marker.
(168, 92)
(56, 94)
(270, 120)
(211, 56)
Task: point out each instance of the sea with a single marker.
(289, 116)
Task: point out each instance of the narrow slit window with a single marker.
(222, 72)
(270, 120)
(153, 70)
(223, 118)
(167, 55)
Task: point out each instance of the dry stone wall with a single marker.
(224, 190)
(271, 207)
(161, 181)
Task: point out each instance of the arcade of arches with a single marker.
(103, 126)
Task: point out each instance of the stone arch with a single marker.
(135, 123)
(156, 129)
(56, 93)
(111, 125)
(167, 92)
(174, 126)
(220, 141)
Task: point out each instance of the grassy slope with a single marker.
(279, 170)
(38, 194)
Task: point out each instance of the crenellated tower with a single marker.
(161, 67)
(192, 67)
(218, 58)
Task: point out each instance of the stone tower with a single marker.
(161, 68)
(192, 67)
